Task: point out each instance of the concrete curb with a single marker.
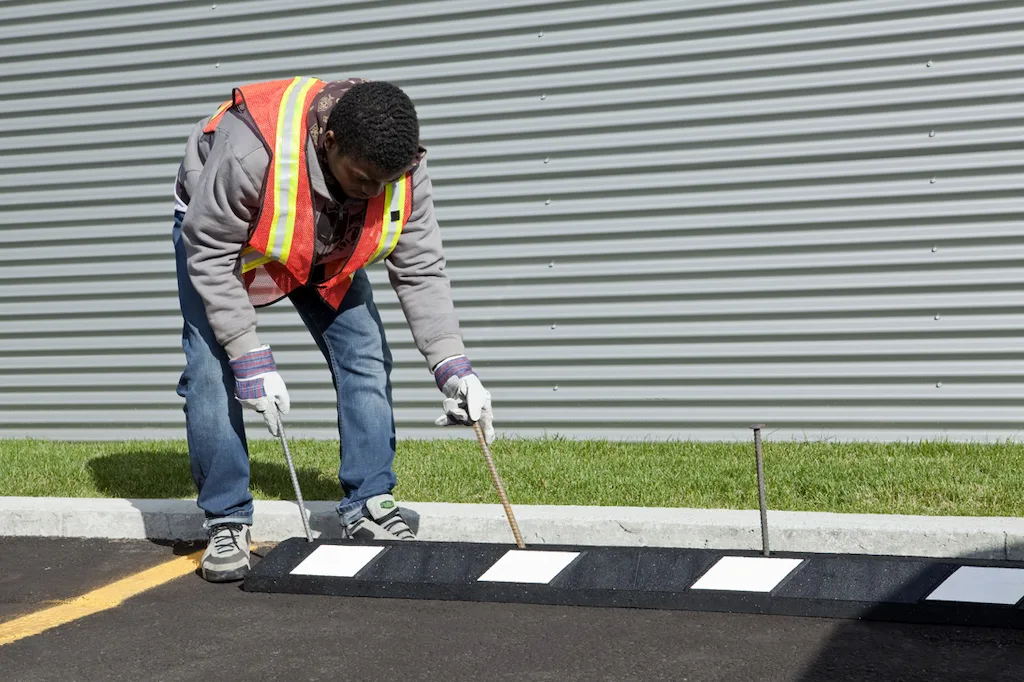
(927, 536)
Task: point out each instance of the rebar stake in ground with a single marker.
(295, 480)
(762, 496)
(498, 485)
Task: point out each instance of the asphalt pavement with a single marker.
(188, 629)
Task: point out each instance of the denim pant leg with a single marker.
(213, 418)
(353, 342)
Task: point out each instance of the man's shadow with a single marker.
(163, 473)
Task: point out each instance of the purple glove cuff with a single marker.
(456, 367)
(249, 389)
(253, 363)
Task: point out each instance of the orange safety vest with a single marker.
(279, 254)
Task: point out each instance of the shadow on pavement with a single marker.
(180, 547)
(875, 650)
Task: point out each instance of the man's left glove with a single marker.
(466, 401)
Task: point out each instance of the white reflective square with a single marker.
(526, 566)
(981, 585)
(338, 561)
(746, 574)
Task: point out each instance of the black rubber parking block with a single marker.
(908, 589)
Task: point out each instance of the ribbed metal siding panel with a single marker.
(662, 218)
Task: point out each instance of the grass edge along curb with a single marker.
(945, 478)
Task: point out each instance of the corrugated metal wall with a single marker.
(662, 218)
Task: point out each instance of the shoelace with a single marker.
(224, 543)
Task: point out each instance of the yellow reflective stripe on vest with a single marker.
(252, 259)
(290, 138)
(391, 230)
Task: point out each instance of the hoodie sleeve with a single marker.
(417, 271)
(223, 202)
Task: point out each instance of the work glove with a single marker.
(466, 401)
(259, 387)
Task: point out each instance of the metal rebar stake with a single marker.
(762, 496)
(498, 485)
(295, 479)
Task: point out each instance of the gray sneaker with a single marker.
(227, 554)
(383, 522)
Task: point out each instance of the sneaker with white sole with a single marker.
(227, 554)
(382, 522)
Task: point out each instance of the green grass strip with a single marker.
(938, 478)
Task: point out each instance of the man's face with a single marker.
(358, 179)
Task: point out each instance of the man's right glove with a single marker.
(259, 387)
(466, 401)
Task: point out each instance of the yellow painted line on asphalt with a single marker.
(101, 599)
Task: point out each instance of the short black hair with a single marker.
(376, 122)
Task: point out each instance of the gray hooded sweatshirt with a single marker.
(219, 181)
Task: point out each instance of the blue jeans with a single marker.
(353, 343)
